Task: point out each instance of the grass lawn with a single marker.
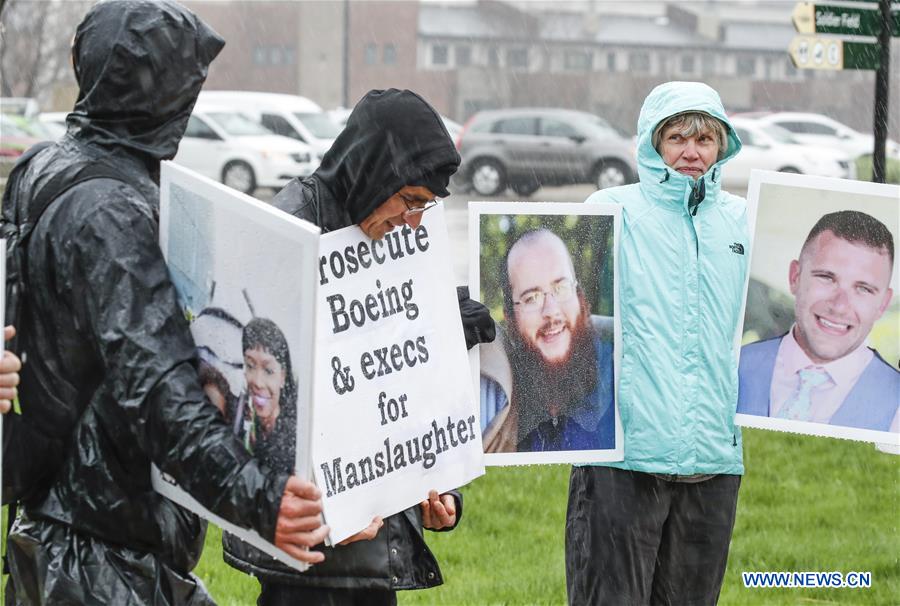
(806, 504)
(864, 170)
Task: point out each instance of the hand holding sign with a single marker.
(366, 534)
(438, 511)
(299, 524)
(9, 373)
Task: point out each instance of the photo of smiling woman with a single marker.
(271, 394)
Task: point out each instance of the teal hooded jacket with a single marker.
(681, 282)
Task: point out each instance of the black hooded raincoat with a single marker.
(392, 139)
(110, 356)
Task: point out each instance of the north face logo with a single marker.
(737, 248)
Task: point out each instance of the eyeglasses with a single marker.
(418, 210)
(533, 300)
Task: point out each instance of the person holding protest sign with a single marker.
(110, 385)
(560, 363)
(383, 171)
(656, 527)
(821, 371)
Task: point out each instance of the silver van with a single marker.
(526, 148)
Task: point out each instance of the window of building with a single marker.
(639, 62)
(516, 126)
(708, 63)
(789, 70)
(746, 66)
(439, 54)
(371, 53)
(688, 63)
(274, 55)
(389, 54)
(611, 62)
(259, 55)
(517, 57)
(493, 56)
(463, 56)
(289, 53)
(578, 60)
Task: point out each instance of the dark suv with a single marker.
(526, 148)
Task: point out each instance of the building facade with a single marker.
(595, 56)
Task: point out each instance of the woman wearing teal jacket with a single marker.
(655, 528)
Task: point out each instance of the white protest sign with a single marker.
(395, 414)
(831, 311)
(245, 277)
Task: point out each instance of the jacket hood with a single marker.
(132, 91)
(393, 138)
(657, 179)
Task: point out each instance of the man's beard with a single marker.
(540, 385)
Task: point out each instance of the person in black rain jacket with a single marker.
(394, 156)
(110, 377)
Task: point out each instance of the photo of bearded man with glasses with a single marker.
(553, 390)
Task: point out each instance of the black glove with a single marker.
(476, 320)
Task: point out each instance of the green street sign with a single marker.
(814, 18)
(813, 52)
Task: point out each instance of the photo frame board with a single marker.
(590, 232)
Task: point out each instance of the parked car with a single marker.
(526, 148)
(287, 115)
(224, 144)
(19, 106)
(454, 128)
(54, 122)
(822, 131)
(339, 115)
(771, 147)
(19, 134)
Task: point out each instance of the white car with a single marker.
(822, 131)
(226, 145)
(771, 147)
(54, 122)
(287, 115)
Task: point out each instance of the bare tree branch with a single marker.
(35, 40)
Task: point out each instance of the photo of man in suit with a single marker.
(547, 385)
(822, 371)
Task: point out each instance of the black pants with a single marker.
(273, 594)
(633, 538)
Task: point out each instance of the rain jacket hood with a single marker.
(658, 180)
(393, 138)
(132, 93)
(682, 271)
